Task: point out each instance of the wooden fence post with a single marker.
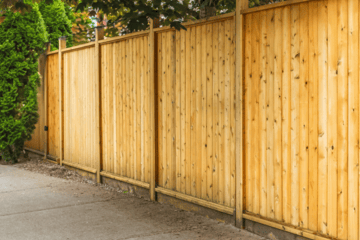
(62, 45)
(48, 49)
(240, 5)
(152, 110)
(99, 35)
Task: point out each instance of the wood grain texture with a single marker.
(52, 106)
(309, 59)
(125, 84)
(79, 104)
(353, 124)
(196, 111)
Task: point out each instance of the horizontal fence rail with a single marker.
(254, 113)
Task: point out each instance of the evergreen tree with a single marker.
(22, 39)
(58, 19)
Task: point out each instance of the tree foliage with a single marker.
(82, 27)
(58, 19)
(134, 15)
(22, 38)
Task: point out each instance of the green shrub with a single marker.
(58, 19)
(22, 38)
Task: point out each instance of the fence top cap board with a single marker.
(273, 5)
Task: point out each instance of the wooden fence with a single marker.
(255, 112)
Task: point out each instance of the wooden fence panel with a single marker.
(80, 145)
(52, 79)
(37, 141)
(301, 94)
(196, 81)
(125, 108)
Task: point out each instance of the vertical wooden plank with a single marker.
(248, 102)
(295, 112)
(198, 35)
(62, 45)
(286, 114)
(165, 102)
(332, 112)
(215, 116)
(91, 107)
(262, 115)
(135, 58)
(105, 107)
(169, 107)
(116, 108)
(79, 106)
(239, 33)
(138, 110)
(342, 121)
(110, 113)
(93, 100)
(277, 114)
(125, 108)
(119, 106)
(75, 108)
(304, 117)
(232, 114)
(53, 106)
(151, 110)
(151, 146)
(119, 103)
(209, 112)
(82, 55)
(132, 108)
(177, 111)
(270, 113)
(160, 109)
(188, 131)
(70, 103)
(183, 115)
(87, 115)
(323, 118)
(313, 115)
(139, 104)
(255, 51)
(173, 109)
(227, 113)
(353, 127)
(201, 74)
(84, 110)
(144, 140)
(221, 112)
(98, 136)
(128, 112)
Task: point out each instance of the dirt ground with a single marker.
(35, 163)
(175, 223)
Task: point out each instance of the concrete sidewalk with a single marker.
(35, 206)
